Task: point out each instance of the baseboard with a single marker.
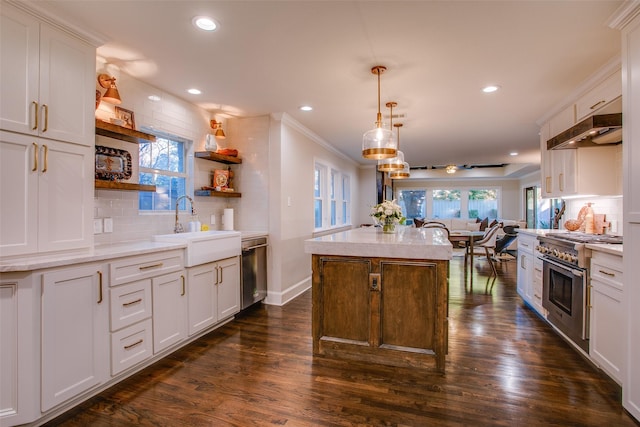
(281, 298)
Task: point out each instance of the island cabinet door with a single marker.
(411, 307)
(342, 308)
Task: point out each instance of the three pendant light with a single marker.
(381, 144)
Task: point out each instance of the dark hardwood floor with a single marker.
(505, 367)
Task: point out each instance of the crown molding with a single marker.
(624, 14)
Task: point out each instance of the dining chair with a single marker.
(485, 246)
(500, 252)
(436, 224)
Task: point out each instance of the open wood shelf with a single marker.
(124, 134)
(212, 193)
(112, 185)
(209, 155)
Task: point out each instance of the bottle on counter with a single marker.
(194, 224)
(589, 221)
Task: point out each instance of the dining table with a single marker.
(469, 237)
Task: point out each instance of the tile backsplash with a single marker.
(610, 206)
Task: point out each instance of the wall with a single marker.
(294, 150)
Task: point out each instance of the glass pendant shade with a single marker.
(403, 173)
(392, 164)
(379, 143)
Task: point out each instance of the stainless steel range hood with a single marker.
(592, 131)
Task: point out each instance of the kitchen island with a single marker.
(381, 298)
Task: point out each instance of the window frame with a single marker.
(464, 197)
(188, 173)
(332, 196)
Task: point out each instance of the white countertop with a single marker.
(408, 243)
(604, 247)
(97, 253)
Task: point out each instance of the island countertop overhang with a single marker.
(406, 243)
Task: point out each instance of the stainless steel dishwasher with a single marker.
(254, 270)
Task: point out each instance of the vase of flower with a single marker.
(389, 226)
(388, 213)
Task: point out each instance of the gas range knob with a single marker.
(555, 252)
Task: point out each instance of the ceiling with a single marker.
(274, 56)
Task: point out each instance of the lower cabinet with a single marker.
(75, 347)
(169, 310)
(19, 349)
(213, 291)
(607, 321)
(526, 244)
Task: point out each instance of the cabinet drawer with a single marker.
(607, 274)
(599, 96)
(130, 303)
(131, 346)
(141, 267)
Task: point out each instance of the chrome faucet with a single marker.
(178, 227)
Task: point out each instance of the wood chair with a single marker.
(486, 246)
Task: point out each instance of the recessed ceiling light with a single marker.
(513, 153)
(491, 88)
(306, 108)
(205, 23)
(194, 91)
(154, 98)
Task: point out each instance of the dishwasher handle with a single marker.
(250, 248)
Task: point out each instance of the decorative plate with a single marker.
(112, 164)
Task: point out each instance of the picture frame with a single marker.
(127, 116)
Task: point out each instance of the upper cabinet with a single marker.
(586, 170)
(47, 80)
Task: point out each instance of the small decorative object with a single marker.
(220, 179)
(115, 121)
(127, 116)
(112, 164)
(210, 143)
(388, 213)
(572, 224)
(589, 221)
(98, 98)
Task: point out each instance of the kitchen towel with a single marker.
(227, 219)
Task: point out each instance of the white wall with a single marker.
(294, 151)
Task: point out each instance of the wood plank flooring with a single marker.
(505, 367)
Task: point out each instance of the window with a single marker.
(332, 197)
(483, 203)
(318, 190)
(446, 203)
(163, 164)
(346, 200)
(413, 203)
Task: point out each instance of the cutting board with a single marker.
(600, 221)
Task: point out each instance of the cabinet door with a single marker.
(19, 350)
(228, 287)
(564, 172)
(19, 194)
(600, 96)
(201, 296)
(169, 310)
(607, 329)
(536, 285)
(75, 335)
(65, 199)
(19, 62)
(67, 87)
(525, 273)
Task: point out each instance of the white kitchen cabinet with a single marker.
(526, 244)
(170, 310)
(629, 23)
(536, 285)
(48, 185)
(213, 291)
(19, 349)
(599, 97)
(607, 332)
(75, 340)
(48, 80)
(140, 285)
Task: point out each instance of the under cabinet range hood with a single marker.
(592, 131)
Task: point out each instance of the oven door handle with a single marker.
(578, 273)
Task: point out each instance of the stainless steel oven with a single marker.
(565, 295)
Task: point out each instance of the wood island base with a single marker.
(388, 311)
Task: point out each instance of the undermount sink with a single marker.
(205, 246)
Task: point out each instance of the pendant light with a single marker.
(392, 163)
(379, 143)
(404, 171)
